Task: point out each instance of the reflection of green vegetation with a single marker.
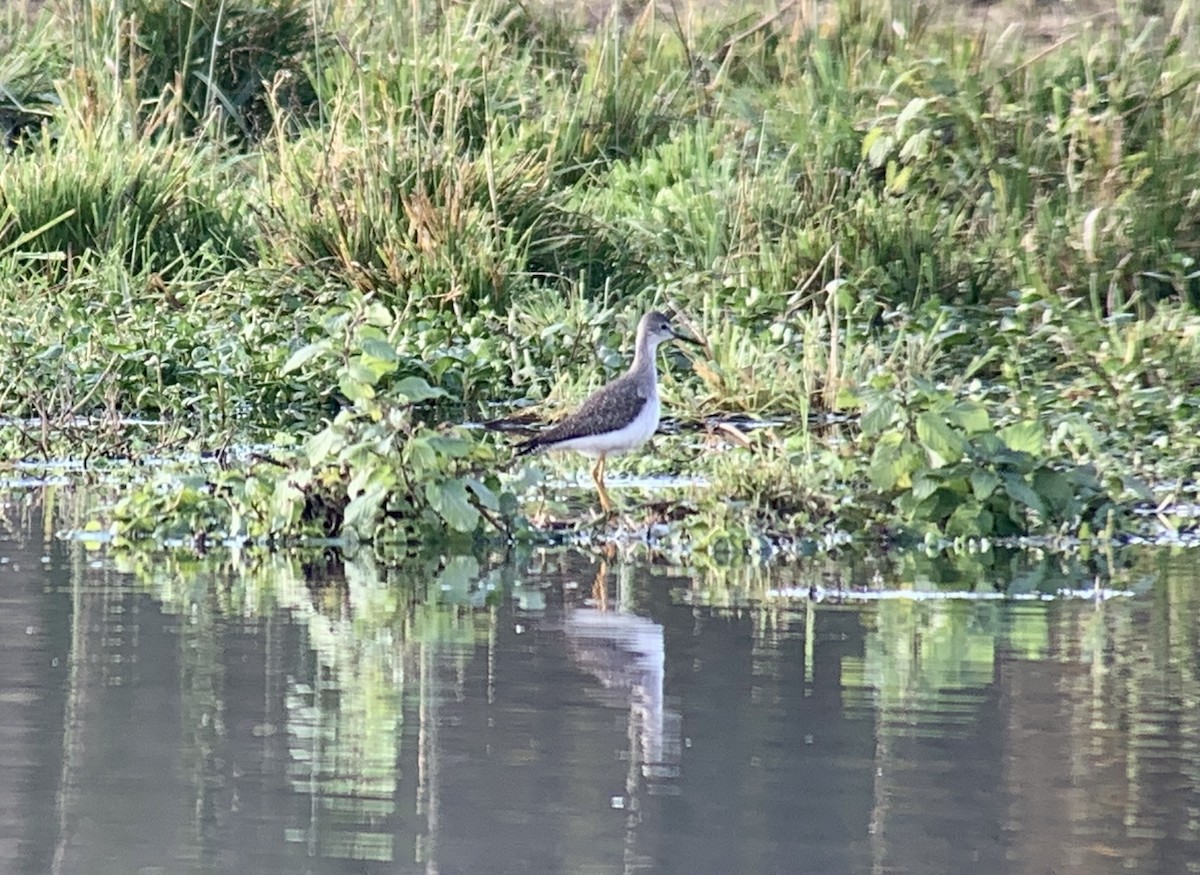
(369, 632)
(919, 651)
(352, 606)
(928, 664)
(1116, 673)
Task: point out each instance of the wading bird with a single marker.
(620, 416)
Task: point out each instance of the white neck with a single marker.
(644, 356)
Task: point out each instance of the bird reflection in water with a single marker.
(625, 653)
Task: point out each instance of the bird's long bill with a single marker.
(686, 338)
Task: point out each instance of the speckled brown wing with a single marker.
(613, 406)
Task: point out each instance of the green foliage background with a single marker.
(295, 239)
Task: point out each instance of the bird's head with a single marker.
(655, 328)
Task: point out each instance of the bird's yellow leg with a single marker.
(598, 477)
(600, 584)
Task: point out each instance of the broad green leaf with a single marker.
(1054, 489)
(925, 484)
(935, 508)
(422, 457)
(378, 367)
(443, 364)
(914, 108)
(898, 184)
(301, 478)
(452, 503)
(304, 355)
(876, 146)
(884, 471)
(485, 495)
(360, 372)
(893, 463)
(847, 399)
(944, 444)
(1023, 437)
(354, 390)
(1078, 429)
(965, 520)
(869, 140)
(449, 445)
(362, 513)
(287, 501)
(1020, 492)
(509, 504)
(359, 480)
(324, 446)
(1138, 487)
(970, 417)
(880, 148)
(377, 314)
(916, 146)
(988, 447)
(911, 459)
(379, 349)
(878, 417)
(415, 390)
(983, 482)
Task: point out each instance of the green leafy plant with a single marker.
(376, 472)
(943, 466)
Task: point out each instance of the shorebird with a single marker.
(618, 417)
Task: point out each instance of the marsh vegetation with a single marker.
(260, 264)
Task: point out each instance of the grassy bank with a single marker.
(325, 230)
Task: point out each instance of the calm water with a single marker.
(567, 713)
